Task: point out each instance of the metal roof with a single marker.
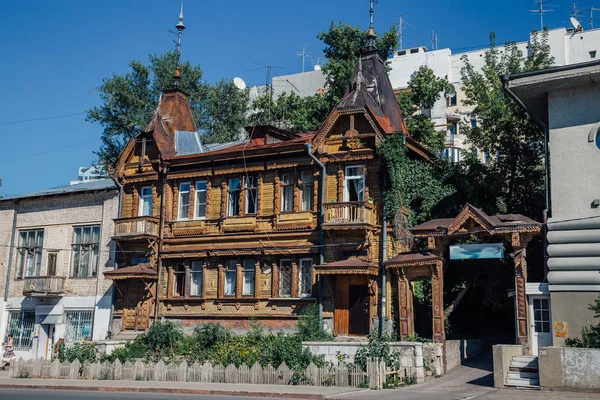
(100, 184)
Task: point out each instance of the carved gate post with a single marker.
(405, 309)
(519, 256)
(437, 301)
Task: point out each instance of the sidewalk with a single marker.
(222, 389)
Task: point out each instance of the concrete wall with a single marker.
(572, 308)
(563, 367)
(502, 355)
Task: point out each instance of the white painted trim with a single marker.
(574, 288)
(536, 288)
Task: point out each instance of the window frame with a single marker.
(236, 195)
(200, 273)
(179, 279)
(20, 329)
(78, 335)
(348, 177)
(143, 196)
(248, 190)
(226, 272)
(287, 184)
(246, 271)
(301, 276)
(37, 250)
(179, 201)
(308, 186)
(76, 249)
(291, 286)
(197, 203)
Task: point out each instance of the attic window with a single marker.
(414, 51)
(593, 54)
(402, 52)
(270, 139)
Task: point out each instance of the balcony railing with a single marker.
(349, 213)
(136, 226)
(41, 286)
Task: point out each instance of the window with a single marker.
(251, 186)
(79, 325)
(179, 281)
(451, 97)
(30, 253)
(248, 275)
(593, 54)
(86, 242)
(355, 184)
(452, 129)
(285, 278)
(486, 157)
(145, 207)
(20, 324)
(230, 277)
(541, 317)
(287, 192)
(598, 140)
(52, 264)
(307, 183)
(305, 278)
(234, 197)
(184, 201)
(196, 277)
(200, 200)
(473, 123)
(474, 151)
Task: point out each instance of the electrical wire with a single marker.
(40, 119)
(48, 151)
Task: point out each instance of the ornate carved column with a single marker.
(221, 281)
(437, 301)
(340, 183)
(405, 311)
(223, 199)
(519, 256)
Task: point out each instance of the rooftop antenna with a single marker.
(317, 64)
(434, 40)
(575, 13)
(303, 54)
(180, 27)
(541, 10)
(371, 34)
(592, 9)
(401, 24)
(268, 84)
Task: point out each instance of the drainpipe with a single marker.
(160, 236)
(383, 259)
(10, 252)
(112, 287)
(548, 211)
(308, 147)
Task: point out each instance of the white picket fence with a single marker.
(341, 375)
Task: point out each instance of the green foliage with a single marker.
(128, 102)
(378, 347)
(414, 183)
(590, 335)
(342, 45)
(513, 179)
(79, 351)
(309, 325)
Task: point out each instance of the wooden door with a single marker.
(143, 309)
(342, 305)
(358, 301)
(136, 308)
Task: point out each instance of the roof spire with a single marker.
(371, 34)
(180, 27)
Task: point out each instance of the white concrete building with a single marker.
(54, 247)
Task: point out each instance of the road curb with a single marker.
(167, 391)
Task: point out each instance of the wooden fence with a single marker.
(341, 375)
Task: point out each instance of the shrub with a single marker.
(309, 325)
(79, 351)
(378, 347)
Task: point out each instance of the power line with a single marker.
(48, 151)
(40, 119)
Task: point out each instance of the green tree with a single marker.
(128, 102)
(424, 89)
(343, 44)
(513, 180)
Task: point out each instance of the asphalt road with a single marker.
(30, 394)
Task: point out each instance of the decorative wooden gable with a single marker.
(470, 219)
(348, 130)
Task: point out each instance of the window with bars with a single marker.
(79, 325)
(86, 244)
(21, 324)
(307, 184)
(230, 277)
(305, 277)
(30, 253)
(251, 186)
(184, 201)
(287, 192)
(145, 206)
(285, 278)
(196, 278)
(234, 197)
(248, 276)
(200, 200)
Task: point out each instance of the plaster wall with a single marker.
(572, 308)
(569, 368)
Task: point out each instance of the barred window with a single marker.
(307, 183)
(230, 278)
(196, 278)
(285, 278)
(30, 253)
(305, 278)
(249, 273)
(20, 324)
(79, 325)
(86, 243)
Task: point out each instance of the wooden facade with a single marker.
(240, 230)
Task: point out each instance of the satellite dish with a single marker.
(239, 83)
(576, 24)
(317, 67)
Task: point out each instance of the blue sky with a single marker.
(55, 53)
